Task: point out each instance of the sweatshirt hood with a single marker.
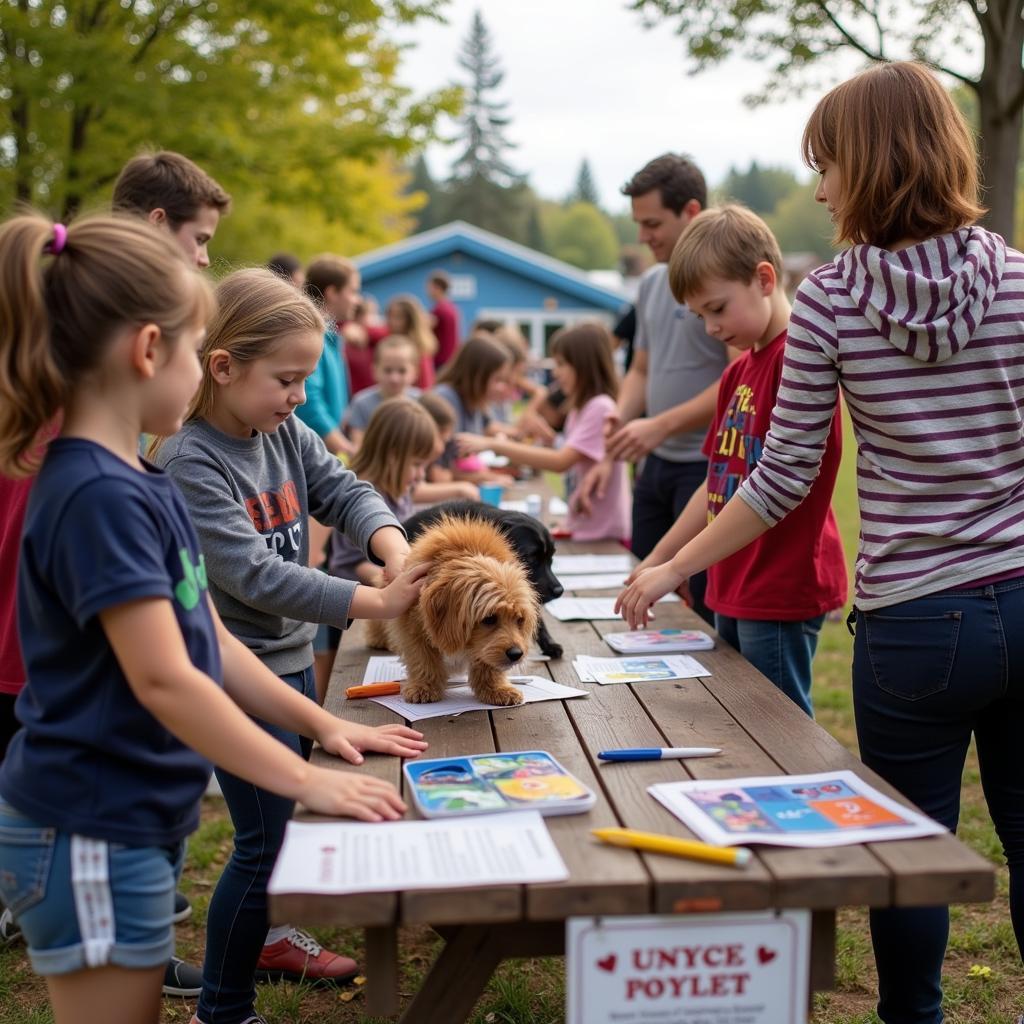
(929, 299)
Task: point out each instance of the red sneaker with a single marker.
(299, 957)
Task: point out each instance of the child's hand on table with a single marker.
(648, 587)
(349, 740)
(346, 794)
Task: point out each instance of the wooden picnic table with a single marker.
(736, 708)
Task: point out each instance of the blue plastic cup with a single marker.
(491, 493)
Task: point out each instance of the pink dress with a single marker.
(610, 518)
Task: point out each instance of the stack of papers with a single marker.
(396, 856)
(567, 608)
(659, 641)
(637, 670)
(595, 581)
(458, 697)
(563, 565)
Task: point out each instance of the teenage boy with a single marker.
(667, 397)
(770, 598)
(332, 282)
(172, 192)
(444, 317)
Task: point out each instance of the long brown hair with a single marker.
(399, 431)
(58, 312)
(587, 348)
(256, 309)
(475, 362)
(906, 160)
(416, 325)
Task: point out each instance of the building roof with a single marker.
(433, 246)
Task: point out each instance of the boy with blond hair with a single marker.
(769, 598)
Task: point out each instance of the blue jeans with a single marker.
(927, 674)
(783, 651)
(84, 902)
(237, 922)
(660, 492)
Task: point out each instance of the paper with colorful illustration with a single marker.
(824, 809)
(500, 781)
(637, 670)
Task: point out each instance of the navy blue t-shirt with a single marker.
(91, 759)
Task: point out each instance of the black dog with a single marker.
(530, 539)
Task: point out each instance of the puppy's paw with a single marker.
(420, 693)
(551, 649)
(505, 696)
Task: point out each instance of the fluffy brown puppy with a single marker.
(476, 613)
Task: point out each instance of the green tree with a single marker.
(277, 100)
(484, 189)
(793, 35)
(585, 189)
(760, 188)
(802, 225)
(483, 119)
(423, 187)
(581, 235)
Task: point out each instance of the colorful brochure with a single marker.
(485, 783)
(659, 641)
(825, 809)
(637, 670)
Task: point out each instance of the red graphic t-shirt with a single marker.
(797, 570)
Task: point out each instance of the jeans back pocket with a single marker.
(26, 854)
(911, 656)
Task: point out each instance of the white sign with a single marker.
(745, 968)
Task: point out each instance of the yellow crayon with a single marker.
(737, 856)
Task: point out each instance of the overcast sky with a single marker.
(585, 78)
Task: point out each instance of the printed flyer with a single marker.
(826, 809)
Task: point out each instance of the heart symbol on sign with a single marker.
(765, 955)
(608, 963)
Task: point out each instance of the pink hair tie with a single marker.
(59, 240)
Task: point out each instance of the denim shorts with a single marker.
(84, 902)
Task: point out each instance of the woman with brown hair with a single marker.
(920, 322)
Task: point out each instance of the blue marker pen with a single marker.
(657, 753)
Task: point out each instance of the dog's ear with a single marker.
(444, 608)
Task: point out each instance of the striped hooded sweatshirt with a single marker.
(927, 345)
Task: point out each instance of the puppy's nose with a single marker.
(514, 653)
(557, 591)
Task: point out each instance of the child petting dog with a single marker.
(585, 373)
(252, 474)
(132, 677)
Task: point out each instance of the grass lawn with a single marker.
(531, 991)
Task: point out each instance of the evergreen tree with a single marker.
(423, 183)
(585, 190)
(484, 189)
(483, 119)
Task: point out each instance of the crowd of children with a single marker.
(172, 607)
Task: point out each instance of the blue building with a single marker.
(491, 278)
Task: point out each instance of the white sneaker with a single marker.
(9, 930)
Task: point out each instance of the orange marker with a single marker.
(373, 690)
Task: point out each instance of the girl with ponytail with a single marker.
(132, 678)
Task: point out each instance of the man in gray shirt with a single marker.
(668, 396)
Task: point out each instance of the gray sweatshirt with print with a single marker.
(250, 500)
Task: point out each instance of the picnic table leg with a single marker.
(382, 971)
(459, 974)
(822, 974)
